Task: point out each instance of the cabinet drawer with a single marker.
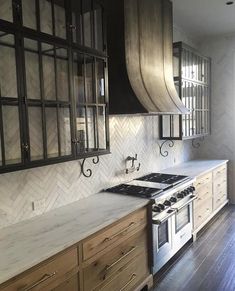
(105, 266)
(69, 285)
(47, 276)
(203, 180)
(220, 172)
(202, 213)
(114, 233)
(128, 277)
(218, 201)
(219, 186)
(204, 192)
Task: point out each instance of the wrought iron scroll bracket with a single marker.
(165, 153)
(196, 142)
(88, 172)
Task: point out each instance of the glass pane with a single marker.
(62, 74)
(78, 78)
(35, 133)
(32, 69)
(46, 16)
(65, 132)
(76, 21)
(49, 72)
(91, 123)
(6, 10)
(166, 125)
(163, 237)
(29, 13)
(182, 218)
(11, 131)
(8, 80)
(100, 81)
(60, 19)
(87, 23)
(176, 125)
(98, 22)
(81, 129)
(102, 128)
(90, 98)
(52, 133)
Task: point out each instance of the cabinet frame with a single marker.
(197, 113)
(20, 33)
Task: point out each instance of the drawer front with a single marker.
(104, 267)
(220, 172)
(48, 275)
(204, 193)
(220, 186)
(203, 180)
(69, 285)
(218, 201)
(114, 233)
(201, 214)
(129, 277)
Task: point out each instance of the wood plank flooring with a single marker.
(207, 264)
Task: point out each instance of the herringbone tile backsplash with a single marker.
(62, 184)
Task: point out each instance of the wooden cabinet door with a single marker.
(69, 285)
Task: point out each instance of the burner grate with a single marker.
(134, 190)
(163, 178)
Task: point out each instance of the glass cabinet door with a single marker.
(49, 106)
(10, 129)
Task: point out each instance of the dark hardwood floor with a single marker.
(207, 264)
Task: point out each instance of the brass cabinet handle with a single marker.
(118, 233)
(40, 281)
(133, 276)
(108, 267)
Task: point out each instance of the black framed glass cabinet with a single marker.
(192, 81)
(53, 82)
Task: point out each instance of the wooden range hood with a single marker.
(140, 41)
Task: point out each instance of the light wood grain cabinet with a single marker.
(211, 191)
(113, 259)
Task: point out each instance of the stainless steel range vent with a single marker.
(143, 51)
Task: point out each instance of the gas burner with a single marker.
(164, 178)
(146, 192)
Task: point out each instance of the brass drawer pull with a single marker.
(119, 233)
(108, 267)
(133, 276)
(40, 281)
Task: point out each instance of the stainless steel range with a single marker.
(172, 211)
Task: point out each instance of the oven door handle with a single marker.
(160, 221)
(185, 204)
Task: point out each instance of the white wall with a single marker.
(221, 143)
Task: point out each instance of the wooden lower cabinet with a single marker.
(114, 259)
(211, 191)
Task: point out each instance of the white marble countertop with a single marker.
(30, 242)
(194, 168)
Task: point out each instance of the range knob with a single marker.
(156, 209)
(192, 189)
(173, 199)
(186, 192)
(167, 203)
(180, 195)
(161, 206)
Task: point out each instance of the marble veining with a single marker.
(28, 243)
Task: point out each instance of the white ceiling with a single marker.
(201, 18)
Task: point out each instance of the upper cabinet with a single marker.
(192, 81)
(53, 82)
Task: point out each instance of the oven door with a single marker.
(183, 224)
(162, 239)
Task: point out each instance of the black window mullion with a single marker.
(53, 17)
(2, 134)
(44, 128)
(93, 44)
(57, 102)
(85, 96)
(96, 128)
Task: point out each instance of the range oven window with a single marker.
(163, 236)
(182, 218)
